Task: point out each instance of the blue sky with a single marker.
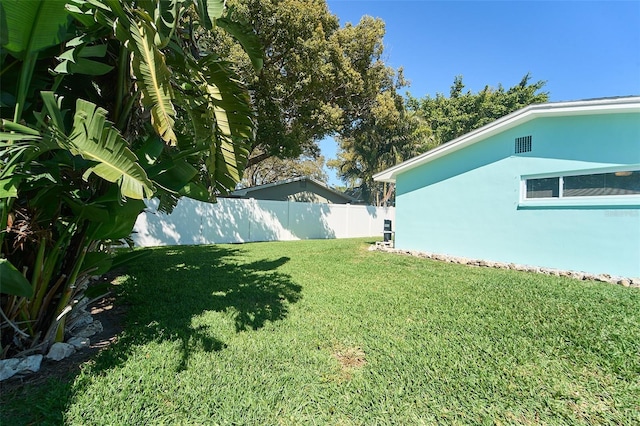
(583, 49)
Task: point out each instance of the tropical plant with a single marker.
(104, 104)
(381, 141)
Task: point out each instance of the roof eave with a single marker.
(244, 191)
(627, 104)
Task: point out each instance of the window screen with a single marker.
(543, 188)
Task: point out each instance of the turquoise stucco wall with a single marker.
(468, 203)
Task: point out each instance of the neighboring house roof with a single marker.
(554, 109)
(313, 186)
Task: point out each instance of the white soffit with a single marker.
(556, 109)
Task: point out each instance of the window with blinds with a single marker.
(618, 183)
(626, 182)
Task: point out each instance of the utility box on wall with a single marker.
(387, 234)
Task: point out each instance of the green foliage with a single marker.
(29, 28)
(93, 138)
(376, 143)
(317, 79)
(377, 131)
(274, 169)
(326, 332)
(463, 112)
(390, 134)
(13, 282)
(105, 103)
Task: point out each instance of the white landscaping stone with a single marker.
(60, 351)
(81, 321)
(88, 331)
(79, 342)
(8, 368)
(627, 282)
(81, 304)
(11, 367)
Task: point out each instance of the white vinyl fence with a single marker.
(240, 220)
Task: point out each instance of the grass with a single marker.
(326, 332)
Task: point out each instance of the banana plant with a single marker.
(104, 104)
(62, 220)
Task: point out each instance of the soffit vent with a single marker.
(523, 144)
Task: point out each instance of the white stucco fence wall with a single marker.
(240, 221)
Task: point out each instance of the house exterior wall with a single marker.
(468, 203)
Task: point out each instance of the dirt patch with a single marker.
(350, 358)
(111, 316)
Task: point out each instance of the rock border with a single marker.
(583, 276)
(80, 326)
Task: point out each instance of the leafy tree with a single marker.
(377, 143)
(386, 139)
(275, 169)
(463, 112)
(318, 79)
(103, 104)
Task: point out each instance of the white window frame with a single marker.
(632, 200)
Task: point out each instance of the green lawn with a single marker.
(326, 332)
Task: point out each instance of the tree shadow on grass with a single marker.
(163, 294)
(167, 290)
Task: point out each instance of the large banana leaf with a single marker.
(210, 11)
(234, 125)
(94, 138)
(28, 27)
(173, 174)
(220, 116)
(32, 26)
(154, 79)
(243, 32)
(142, 27)
(172, 171)
(112, 218)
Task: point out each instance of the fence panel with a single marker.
(239, 220)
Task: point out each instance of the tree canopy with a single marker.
(376, 144)
(389, 136)
(274, 169)
(462, 112)
(318, 78)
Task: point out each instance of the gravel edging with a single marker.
(583, 276)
